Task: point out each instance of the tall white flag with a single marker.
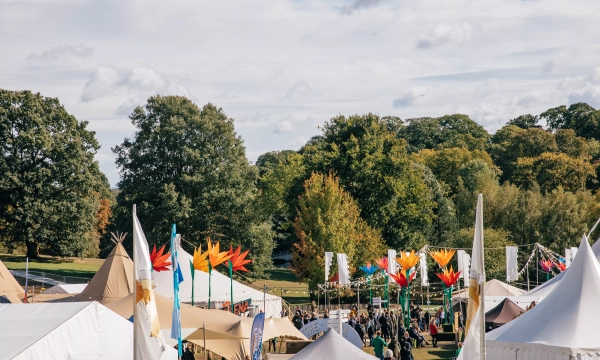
(464, 263)
(328, 261)
(423, 269)
(573, 253)
(149, 343)
(344, 277)
(392, 265)
(474, 345)
(512, 273)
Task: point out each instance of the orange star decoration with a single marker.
(159, 261)
(400, 278)
(238, 259)
(449, 278)
(442, 257)
(408, 261)
(214, 256)
(382, 263)
(200, 260)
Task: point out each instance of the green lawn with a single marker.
(282, 282)
(81, 268)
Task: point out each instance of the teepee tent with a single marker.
(10, 290)
(332, 346)
(503, 313)
(563, 326)
(84, 330)
(546, 288)
(220, 288)
(114, 279)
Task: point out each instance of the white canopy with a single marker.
(78, 330)
(491, 288)
(65, 289)
(220, 288)
(332, 346)
(563, 326)
(543, 290)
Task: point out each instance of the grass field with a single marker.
(283, 283)
(75, 267)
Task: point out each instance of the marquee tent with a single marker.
(84, 330)
(563, 326)
(546, 288)
(220, 288)
(10, 290)
(491, 288)
(332, 345)
(113, 280)
(65, 289)
(503, 313)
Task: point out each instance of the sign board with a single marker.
(377, 302)
(320, 326)
(238, 308)
(345, 313)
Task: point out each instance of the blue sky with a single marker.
(281, 68)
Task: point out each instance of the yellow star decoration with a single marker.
(214, 256)
(200, 260)
(442, 257)
(407, 261)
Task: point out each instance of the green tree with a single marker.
(187, 166)
(51, 189)
(328, 219)
(569, 143)
(373, 167)
(525, 121)
(581, 117)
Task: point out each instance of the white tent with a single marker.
(78, 330)
(563, 326)
(491, 288)
(220, 288)
(546, 288)
(332, 346)
(65, 289)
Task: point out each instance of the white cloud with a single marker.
(409, 97)
(297, 89)
(141, 82)
(283, 126)
(584, 89)
(488, 88)
(359, 4)
(62, 53)
(446, 34)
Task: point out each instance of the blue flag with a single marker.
(256, 336)
(177, 278)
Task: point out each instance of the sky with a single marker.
(281, 68)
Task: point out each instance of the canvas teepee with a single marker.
(114, 279)
(10, 290)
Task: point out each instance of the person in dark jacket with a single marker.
(360, 330)
(414, 333)
(188, 355)
(297, 320)
(406, 348)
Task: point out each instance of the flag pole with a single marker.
(135, 275)
(26, 276)
(482, 290)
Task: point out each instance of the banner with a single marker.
(177, 279)
(344, 276)
(256, 336)
(328, 261)
(391, 261)
(423, 269)
(512, 273)
(464, 263)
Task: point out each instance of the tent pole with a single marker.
(357, 298)
(204, 335)
(537, 269)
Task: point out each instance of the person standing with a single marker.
(378, 344)
(389, 355)
(406, 348)
(297, 320)
(433, 331)
(188, 354)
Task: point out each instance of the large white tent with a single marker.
(563, 326)
(220, 288)
(332, 346)
(546, 288)
(65, 289)
(77, 330)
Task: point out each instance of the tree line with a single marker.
(365, 184)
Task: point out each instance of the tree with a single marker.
(374, 168)
(445, 132)
(187, 166)
(551, 170)
(569, 143)
(328, 220)
(52, 193)
(581, 117)
(525, 121)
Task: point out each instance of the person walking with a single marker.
(378, 344)
(433, 331)
(371, 329)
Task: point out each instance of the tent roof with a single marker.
(113, 280)
(9, 287)
(78, 330)
(493, 288)
(543, 290)
(221, 292)
(329, 344)
(566, 319)
(65, 289)
(503, 312)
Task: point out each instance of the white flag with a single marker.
(344, 277)
(423, 269)
(149, 342)
(464, 263)
(328, 261)
(392, 265)
(573, 253)
(474, 345)
(512, 273)
(568, 257)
